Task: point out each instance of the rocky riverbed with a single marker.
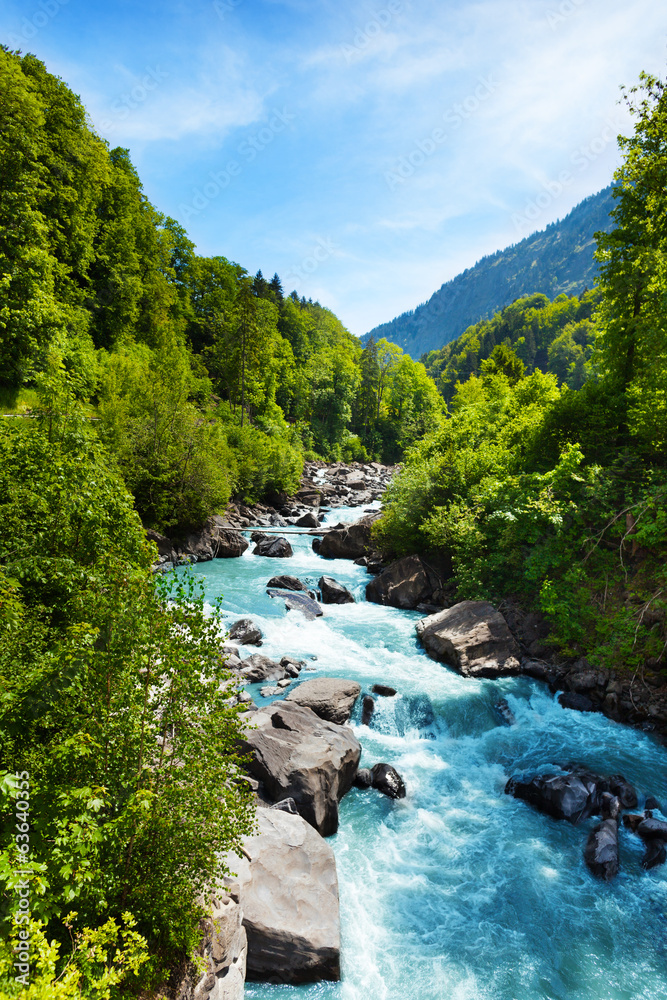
(318, 737)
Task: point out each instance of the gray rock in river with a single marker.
(406, 584)
(308, 520)
(295, 754)
(246, 632)
(349, 541)
(298, 602)
(383, 690)
(288, 891)
(273, 547)
(260, 668)
(363, 778)
(473, 638)
(651, 829)
(334, 592)
(289, 583)
(368, 707)
(655, 853)
(601, 851)
(332, 698)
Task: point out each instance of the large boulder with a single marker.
(334, 592)
(332, 698)
(350, 541)
(287, 885)
(258, 668)
(297, 755)
(308, 520)
(563, 796)
(406, 584)
(473, 638)
(273, 547)
(246, 632)
(218, 971)
(228, 543)
(298, 602)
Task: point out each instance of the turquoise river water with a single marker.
(459, 892)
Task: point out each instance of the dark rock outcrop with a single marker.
(601, 851)
(655, 853)
(383, 690)
(273, 547)
(334, 592)
(348, 542)
(332, 698)
(246, 632)
(407, 583)
(563, 796)
(473, 638)
(388, 781)
(577, 702)
(297, 755)
(363, 778)
(368, 707)
(288, 890)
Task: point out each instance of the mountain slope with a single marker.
(557, 259)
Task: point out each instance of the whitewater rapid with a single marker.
(459, 892)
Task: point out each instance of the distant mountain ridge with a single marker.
(556, 259)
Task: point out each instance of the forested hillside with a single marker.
(555, 492)
(205, 381)
(556, 337)
(558, 260)
(141, 385)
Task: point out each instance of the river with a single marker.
(460, 892)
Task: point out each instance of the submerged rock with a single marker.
(246, 632)
(297, 755)
(388, 781)
(473, 638)
(504, 713)
(655, 853)
(288, 892)
(332, 698)
(334, 592)
(298, 602)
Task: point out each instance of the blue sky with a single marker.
(366, 151)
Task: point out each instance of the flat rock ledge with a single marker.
(288, 892)
(472, 638)
(331, 698)
(297, 755)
